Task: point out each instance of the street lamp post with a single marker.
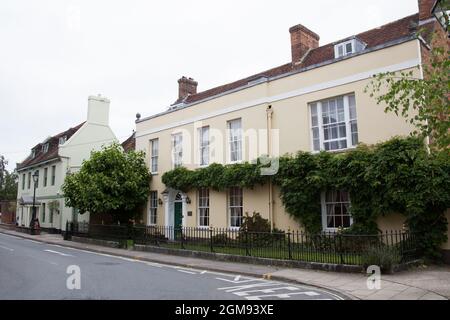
(34, 221)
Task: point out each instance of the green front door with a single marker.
(178, 215)
(178, 220)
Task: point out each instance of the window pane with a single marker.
(314, 117)
(342, 131)
(340, 51)
(325, 115)
(352, 107)
(354, 127)
(334, 132)
(340, 109)
(355, 139)
(349, 48)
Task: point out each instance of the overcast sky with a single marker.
(55, 53)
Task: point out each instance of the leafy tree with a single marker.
(8, 182)
(111, 181)
(422, 102)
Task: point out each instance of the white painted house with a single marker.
(52, 159)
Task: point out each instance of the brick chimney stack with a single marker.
(425, 7)
(186, 86)
(302, 40)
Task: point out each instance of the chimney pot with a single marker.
(302, 40)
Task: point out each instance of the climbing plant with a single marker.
(395, 176)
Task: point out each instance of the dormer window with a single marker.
(348, 47)
(441, 12)
(62, 140)
(33, 154)
(45, 148)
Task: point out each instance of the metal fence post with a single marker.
(182, 238)
(289, 245)
(247, 251)
(211, 244)
(66, 234)
(340, 249)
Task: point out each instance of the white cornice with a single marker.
(296, 93)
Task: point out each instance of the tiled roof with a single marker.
(52, 152)
(382, 35)
(130, 143)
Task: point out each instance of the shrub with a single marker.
(220, 239)
(384, 257)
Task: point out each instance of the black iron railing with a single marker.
(326, 247)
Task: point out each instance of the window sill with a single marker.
(154, 173)
(334, 151)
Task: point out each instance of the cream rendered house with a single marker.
(314, 102)
(53, 159)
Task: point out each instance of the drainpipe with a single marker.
(269, 113)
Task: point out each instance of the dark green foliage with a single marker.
(8, 182)
(111, 181)
(215, 176)
(220, 239)
(395, 176)
(255, 223)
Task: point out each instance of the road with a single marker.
(34, 270)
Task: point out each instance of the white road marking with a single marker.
(60, 253)
(271, 290)
(283, 296)
(247, 286)
(185, 271)
(238, 281)
(152, 264)
(6, 248)
(203, 272)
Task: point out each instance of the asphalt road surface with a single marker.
(33, 270)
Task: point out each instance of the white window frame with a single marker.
(153, 209)
(324, 204)
(203, 193)
(235, 139)
(45, 148)
(154, 156)
(203, 145)
(45, 180)
(343, 45)
(230, 207)
(62, 140)
(347, 120)
(177, 150)
(53, 177)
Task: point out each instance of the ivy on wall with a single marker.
(395, 176)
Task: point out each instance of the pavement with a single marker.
(421, 283)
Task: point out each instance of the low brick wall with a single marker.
(103, 243)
